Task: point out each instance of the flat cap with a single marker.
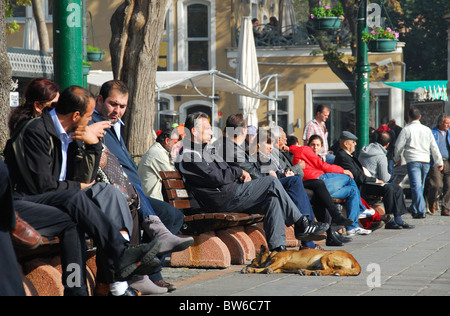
(345, 135)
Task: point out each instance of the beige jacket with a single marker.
(156, 159)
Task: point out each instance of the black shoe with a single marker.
(418, 215)
(406, 225)
(342, 238)
(307, 230)
(393, 225)
(138, 259)
(333, 241)
(129, 292)
(341, 220)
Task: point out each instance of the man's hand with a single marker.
(245, 177)
(86, 185)
(289, 173)
(91, 134)
(441, 168)
(349, 173)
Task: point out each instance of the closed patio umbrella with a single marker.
(30, 35)
(248, 71)
(287, 16)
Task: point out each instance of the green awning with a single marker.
(436, 90)
(413, 85)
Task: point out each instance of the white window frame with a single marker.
(289, 95)
(183, 58)
(29, 14)
(396, 100)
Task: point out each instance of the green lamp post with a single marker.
(68, 45)
(362, 79)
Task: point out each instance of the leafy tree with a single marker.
(424, 30)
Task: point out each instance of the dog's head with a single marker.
(261, 258)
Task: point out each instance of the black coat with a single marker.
(207, 175)
(352, 164)
(43, 160)
(7, 218)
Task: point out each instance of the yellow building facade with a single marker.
(203, 35)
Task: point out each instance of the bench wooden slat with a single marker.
(181, 204)
(173, 184)
(177, 194)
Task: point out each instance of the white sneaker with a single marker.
(358, 231)
(367, 213)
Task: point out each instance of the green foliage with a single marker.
(12, 27)
(424, 30)
(90, 48)
(327, 12)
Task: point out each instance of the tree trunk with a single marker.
(137, 30)
(330, 50)
(5, 80)
(42, 31)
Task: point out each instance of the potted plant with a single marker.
(381, 40)
(327, 18)
(86, 67)
(94, 53)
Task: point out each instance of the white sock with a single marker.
(118, 288)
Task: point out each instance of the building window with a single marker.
(163, 50)
(20, 13)
(198, 37)
(165, 114)
(285, 111)
(342, 115)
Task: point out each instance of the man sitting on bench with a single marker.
(223, 188)
(393, 198)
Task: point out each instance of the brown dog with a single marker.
(304, 262)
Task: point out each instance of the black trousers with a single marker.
(393, 198)
(10, 279)
(70, 215)
(324, 208)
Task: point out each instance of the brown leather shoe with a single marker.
(25, 236)
(445, 213)
(170, 287)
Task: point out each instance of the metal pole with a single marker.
(363, 80)
(68, 42)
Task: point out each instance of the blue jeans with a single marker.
(417, 173)
(341, 186)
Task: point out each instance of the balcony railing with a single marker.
(292, 36)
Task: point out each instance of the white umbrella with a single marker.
(30, 35)
(248, 71)
(287, 16)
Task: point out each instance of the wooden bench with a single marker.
(198, 221)
(220, 239)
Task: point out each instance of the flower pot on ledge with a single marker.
(382, 45)
(327, 24)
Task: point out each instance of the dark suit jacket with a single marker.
(352, 164)
(7, 218)
(43, 160)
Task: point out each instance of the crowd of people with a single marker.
(70, 175)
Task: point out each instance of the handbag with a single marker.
(110, 171)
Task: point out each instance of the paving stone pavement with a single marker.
(394, 263)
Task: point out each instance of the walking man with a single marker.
(415, 142)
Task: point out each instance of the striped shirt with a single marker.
(315, 128)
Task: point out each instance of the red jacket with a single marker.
(315, 166)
